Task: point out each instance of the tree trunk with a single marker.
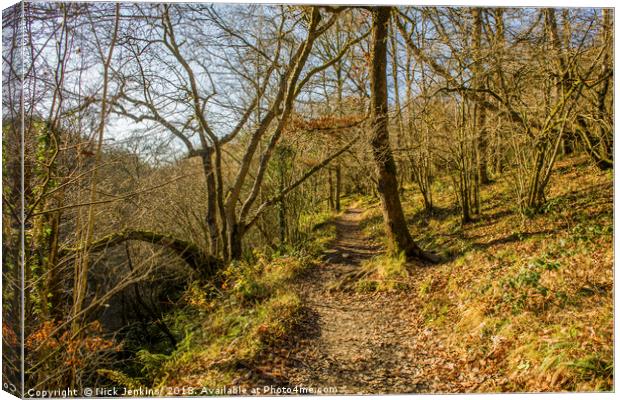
(330, 199)
(338, 184)
(282, 209)
(399, 238)
(210, 218)
(482, 140)
(235, 237)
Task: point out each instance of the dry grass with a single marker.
(228, 328)
(525, 302)
(383, 273)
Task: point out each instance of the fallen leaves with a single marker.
(384, 343)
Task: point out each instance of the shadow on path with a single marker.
(357, 343)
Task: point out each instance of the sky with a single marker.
(118, 128)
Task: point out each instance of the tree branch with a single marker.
(298, 182)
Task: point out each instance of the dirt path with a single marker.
(359, 343)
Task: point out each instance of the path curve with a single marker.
(361, 343)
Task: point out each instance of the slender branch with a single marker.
(271, 201)
(117, 198)
(328, 64)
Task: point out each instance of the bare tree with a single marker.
(235, 214)
(398, 236)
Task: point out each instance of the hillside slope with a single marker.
(519, 304)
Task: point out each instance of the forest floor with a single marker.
(517, 304)
(361, 342)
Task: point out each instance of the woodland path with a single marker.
(358, 343)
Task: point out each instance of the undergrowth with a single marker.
(226, 326)
(383, 273)
(524, 301)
